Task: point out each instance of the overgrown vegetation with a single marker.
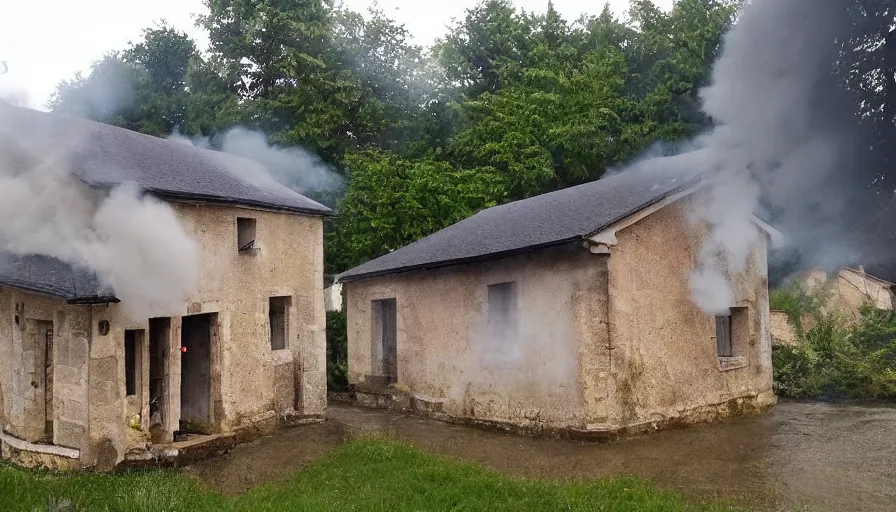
(337, 352)
(362, 475)
(833, 358)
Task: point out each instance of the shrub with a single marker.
(337, 351)
(798, 302)
(836, 360)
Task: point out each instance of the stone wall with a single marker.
(607, 342)
(664, 356)
(446, 356)
(781, 329)
(250, 381)
(22, 372)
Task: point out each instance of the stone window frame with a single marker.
(737, 323)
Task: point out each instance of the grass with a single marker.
(365, 475)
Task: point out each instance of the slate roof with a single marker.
(553, 219)
(104, 156)
(50, 276)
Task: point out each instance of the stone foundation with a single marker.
(750, 405)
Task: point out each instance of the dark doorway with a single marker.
(159, 343)
(47, 329)
(39, 337)
(384, 338)
(131, 363)
(196, 402)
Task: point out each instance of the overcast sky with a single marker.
(45, 41)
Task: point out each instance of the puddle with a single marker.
(822, 456)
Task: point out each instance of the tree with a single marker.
(142, 88)
(486, 50)
(391, 202)
(672, 55)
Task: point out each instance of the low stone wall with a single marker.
(781, 329)
(31, 455)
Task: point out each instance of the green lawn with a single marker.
(362, 475)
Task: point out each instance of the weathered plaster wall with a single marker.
(445, 354)
(251, 381)
(664, 357)
(607, 341)
(7, 363)
(22, 369)
(781, 329)
(849, 291)
(857, 290)
(256, 379)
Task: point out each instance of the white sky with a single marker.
(45, 41)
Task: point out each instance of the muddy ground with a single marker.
(820, 456)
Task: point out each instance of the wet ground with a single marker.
(799, 456)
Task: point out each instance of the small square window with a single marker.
(245, 234)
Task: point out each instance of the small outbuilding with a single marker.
(569, 312)
(82, 384)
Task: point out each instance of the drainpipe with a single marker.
(603, 249)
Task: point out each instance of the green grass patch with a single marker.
(365, 475)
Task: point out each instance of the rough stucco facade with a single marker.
(78, 413)
(844, 294)
(850, 290)
(604, 342)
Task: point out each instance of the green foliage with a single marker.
(337, 351)
(835, 359)
(799, 302)
(362, 475)
(391, 201)
(141, 88)
(509, 104)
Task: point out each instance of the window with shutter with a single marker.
(723, 336)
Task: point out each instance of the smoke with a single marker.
(292, 167)
(134, 243)
(781, 138)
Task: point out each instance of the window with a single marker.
(723, 336)
(278, 316)
(130, 362)
(733, 333)
(245, 234)
(502, 312)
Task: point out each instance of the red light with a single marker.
(183, 349)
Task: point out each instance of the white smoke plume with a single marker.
(135, 244)
(768, 142)
(292, 167)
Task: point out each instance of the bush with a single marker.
(798, 302)
(835, 360)
(337, 351)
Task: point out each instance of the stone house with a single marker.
(845, 293)
(850, 289)
(82, 385)
(568, 313)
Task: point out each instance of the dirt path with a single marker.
(826, 457)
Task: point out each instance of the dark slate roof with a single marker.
(553, 219)
(49, 276)
(104, 156)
